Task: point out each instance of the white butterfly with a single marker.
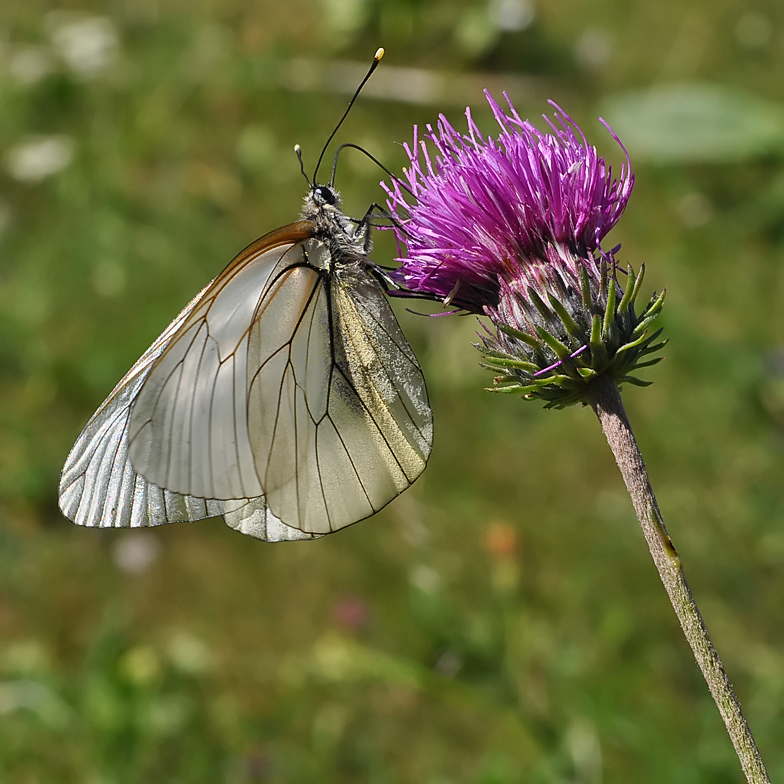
(283, 397)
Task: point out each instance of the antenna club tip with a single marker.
(297, 149)
(379, 54)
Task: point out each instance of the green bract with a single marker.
(574, 337)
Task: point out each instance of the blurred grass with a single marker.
(500, 622)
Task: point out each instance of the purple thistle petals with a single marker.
(486, 208)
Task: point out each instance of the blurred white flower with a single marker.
(141, 665)
(583, 742)
(87, 45)
(425, 578)
(475, 33)
(344, 17)
(136, 552)
(593, 48)
(38, 157)
(189, 654)
(512, 15)
(30, 64)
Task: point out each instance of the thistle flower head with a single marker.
(511, 227)
(486, 207)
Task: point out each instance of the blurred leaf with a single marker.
(697, 122)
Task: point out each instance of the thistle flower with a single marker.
(511, 227)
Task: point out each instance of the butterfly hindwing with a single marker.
(338, 413)
(189, 427)
(390, 383)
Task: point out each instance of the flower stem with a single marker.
(606, 402)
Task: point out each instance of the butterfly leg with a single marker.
(367, 223)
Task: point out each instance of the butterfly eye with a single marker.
(325, 194)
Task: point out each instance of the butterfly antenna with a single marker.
(376, 60)
(298, 151)
(372, 158)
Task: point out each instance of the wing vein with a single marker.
(234, 422)
(353, 465)
(191, 462)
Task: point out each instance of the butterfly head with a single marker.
(335, 229)
(322, 205)
(324, 195)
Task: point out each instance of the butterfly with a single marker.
(284, 397)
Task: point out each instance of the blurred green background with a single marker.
(501, 621)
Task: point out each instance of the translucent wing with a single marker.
(188, 431)
(100, 486)
(338, 415)
(253, 517)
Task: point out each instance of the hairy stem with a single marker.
(605, 400)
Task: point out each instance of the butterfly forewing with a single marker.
(100, 487)
(189, 426)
